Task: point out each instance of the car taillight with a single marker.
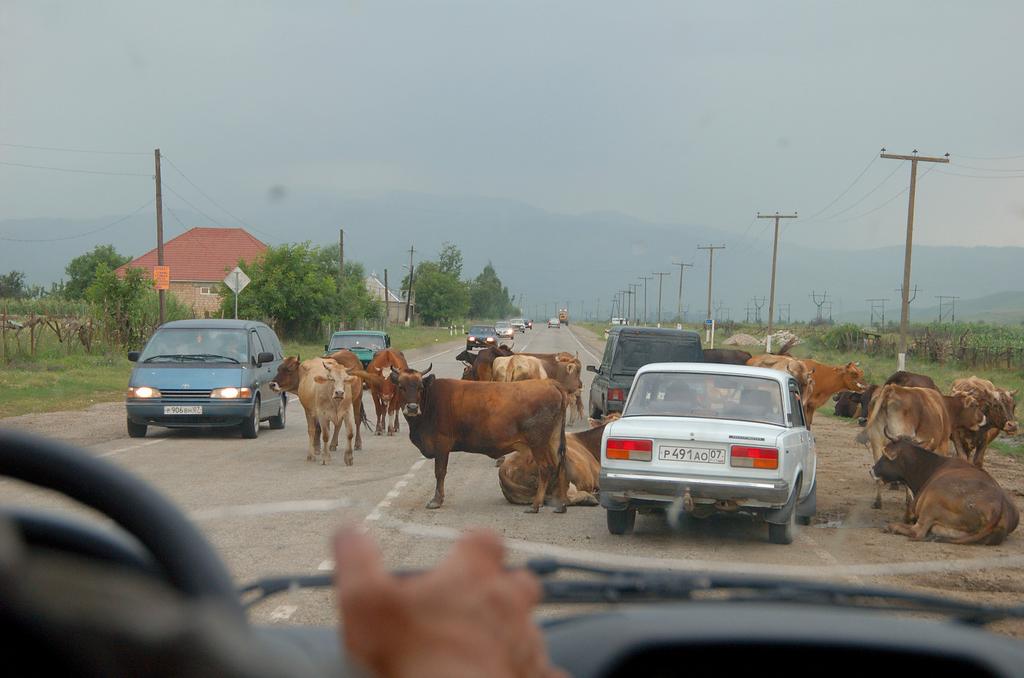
(629, 449)
(616, 394)
(754, 457)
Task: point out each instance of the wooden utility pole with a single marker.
(387, 300)
(159, 227)
(341, 255)
(711, 268)
(645, 278)
(901, 360)
(679, 300)
(775, 254)
(408, 295)
(660, 277)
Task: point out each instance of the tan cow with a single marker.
(325, 392)
(999, 406)
(830, 379)
(804, 375)
(956, 502)
(920, 414)
(565, 370)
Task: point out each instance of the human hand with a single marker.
(469, 616)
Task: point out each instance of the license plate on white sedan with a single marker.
(183, 409)
(700, 455)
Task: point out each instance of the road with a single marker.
(268, 511)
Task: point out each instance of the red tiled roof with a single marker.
(202, 254)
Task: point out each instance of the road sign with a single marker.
(162, 277)
(237, 280)
(709, 322)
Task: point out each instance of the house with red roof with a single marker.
(199, 259)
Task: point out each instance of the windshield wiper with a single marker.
(210, 356)
(610, 585)
(177, 357)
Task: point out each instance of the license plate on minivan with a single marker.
(700, 455)
(183, 409)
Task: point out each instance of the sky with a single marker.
(700, 113)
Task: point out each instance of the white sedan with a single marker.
(710, 438)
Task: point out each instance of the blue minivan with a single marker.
(206, 373)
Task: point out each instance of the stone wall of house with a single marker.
(201, 297)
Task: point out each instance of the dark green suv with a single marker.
(627, 350)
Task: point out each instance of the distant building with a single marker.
(395, 303)
(199, 259)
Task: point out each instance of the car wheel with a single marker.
(277, 422)
(136, 430)
(251, 426)
(621, 521)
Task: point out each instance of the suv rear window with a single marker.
(635, 352)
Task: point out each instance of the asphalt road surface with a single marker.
(269, 512)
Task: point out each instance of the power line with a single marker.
(185, 200)
(77, 150)
(847, 189)
(982, 176)
(990, 157)
(987, 169)
(875, 209)
(863, 197)
(82, 235)
(76, 171)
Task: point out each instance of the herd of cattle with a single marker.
(514, 407)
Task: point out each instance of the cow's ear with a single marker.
(428, 380)
(394, 376)
(320, 380)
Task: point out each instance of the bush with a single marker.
(841, 338)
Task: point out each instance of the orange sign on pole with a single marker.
(162, 277)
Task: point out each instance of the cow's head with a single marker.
(411, 387)
(466, 356)
(388, 390)
(972, 415)
(890, 466)
(469, 372)
(1009, 410)
(287, 377)
(337, 376)
(573, 381)
(853, 377)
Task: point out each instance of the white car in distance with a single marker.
(710, 438)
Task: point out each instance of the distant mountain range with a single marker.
(580, 258)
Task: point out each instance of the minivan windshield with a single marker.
(635, 352)
(374, 342)
(708, 396)
(217, 345)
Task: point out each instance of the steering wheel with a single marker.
(188, 562)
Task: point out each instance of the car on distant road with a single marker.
(518, 324)
(481, 336)
(626, 350)
(529, 324)
(710, 438)
(364, 343)
(505, 330)
(553, 322)
(206, 373)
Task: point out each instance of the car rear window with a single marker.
(481, 329)
(371, 341)
(712, 396)
(635, 352)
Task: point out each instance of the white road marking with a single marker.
(431, 357)
(131, 447)
(573, 554)
(393, 493)
(326, 566)
(283, 613)
(573, 335)
(244, 510)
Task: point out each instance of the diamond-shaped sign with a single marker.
(236, 280)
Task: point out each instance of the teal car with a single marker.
(364, 343)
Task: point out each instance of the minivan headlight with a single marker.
(230, 393)
(143, 392)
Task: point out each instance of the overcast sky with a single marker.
(699, 113)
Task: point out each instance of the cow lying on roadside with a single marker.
(956, 502)
(495, 419)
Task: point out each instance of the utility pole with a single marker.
(679, 301)
(159, 227)
(942, 305)
(711, 268)
(775, 254)
(408, 296)
(758, 305)
(634, 298)
(660, 277)
(387, 300)
(819, 303)
(877, 306)
(341, 255)
(779, 318)
(645, 278)
(901, 361)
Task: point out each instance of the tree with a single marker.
(12, 285)
(449, 260)
(440, 296)
(488, 298)
(82, 269)
(118, 304)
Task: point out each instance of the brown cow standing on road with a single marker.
(921, 414)
(956, 502)
(999, 407)
(449, 415)
(382, 390)
(350, 361)
(326, 393)
(289, 373)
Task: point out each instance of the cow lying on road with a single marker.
(956, 502)
(495, 419)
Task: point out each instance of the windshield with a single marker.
(373, 342)
(681, 394)
(203, 345)
(636, 351)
